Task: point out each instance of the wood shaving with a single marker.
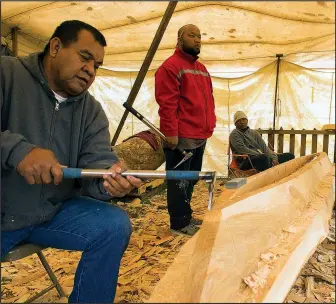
(150, 252)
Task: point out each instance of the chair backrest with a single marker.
(229, 148)
(229, 154)
(232, 161)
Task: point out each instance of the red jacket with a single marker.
(183, 90)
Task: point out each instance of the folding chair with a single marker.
(233, 166)
(22, 251)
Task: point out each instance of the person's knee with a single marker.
(266, 159)
(291, 156)
(119, 222)
(285, 157)
(112, 223)
(264, 162)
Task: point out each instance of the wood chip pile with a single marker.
(151, 251)
(316, 283)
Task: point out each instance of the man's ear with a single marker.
(55, 45)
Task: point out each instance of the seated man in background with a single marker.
(243, 140)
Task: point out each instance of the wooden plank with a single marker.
(328, 127)
(280, 143)
(145, 65)
(15, 41)
(276, 97)
(270, 139)
(292, 143)
(281, 131)
(213, 266)
(325, 143)
(303, 144)
(314, 143)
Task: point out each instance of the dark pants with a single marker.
(262, 162)
(100, 230)
(179, 192)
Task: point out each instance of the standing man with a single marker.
(49, 119)
(183, 90)
(244, 140)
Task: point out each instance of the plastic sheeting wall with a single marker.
(306, 99)
(239, 42)
(237, 36)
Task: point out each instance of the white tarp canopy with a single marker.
(240, 41)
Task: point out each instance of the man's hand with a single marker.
(275, 162)
(172, 142)
(40, 166)
(117, 185)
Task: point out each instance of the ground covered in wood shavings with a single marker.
(316, 282)
(151, 251)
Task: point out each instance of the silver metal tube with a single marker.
(151, 174)
(146, 174)
(143, 174)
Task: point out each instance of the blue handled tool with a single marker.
(208, 176)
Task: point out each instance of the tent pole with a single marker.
(145, 65)
(15, 41)
(276, 88)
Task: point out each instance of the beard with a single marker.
(190, 51)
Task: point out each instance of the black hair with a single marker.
(68, 31)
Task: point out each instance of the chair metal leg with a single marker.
(252, 167)
(51, 274)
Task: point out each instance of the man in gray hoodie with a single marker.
(50, 120)
(243, 140)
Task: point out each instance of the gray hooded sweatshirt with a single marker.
(75, 130)
(249, 142)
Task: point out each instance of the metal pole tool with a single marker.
(157, 131)
(208, 176)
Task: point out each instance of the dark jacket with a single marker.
(249, 142)
(183, 90)
(77, 132)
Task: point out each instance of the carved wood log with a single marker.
(139, 155)
(254, 242)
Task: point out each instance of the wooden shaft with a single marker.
(145, 65)
(325, 143)
(314, 143)
(292, 143)
(303, 144)
(15, 41)
(270, 139)
(276, 89)
(280, 143)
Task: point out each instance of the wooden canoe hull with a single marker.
(254, 242)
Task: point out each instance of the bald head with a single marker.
(189, 39)
(185, 27)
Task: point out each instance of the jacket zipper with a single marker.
(57, 105)
(56, 109)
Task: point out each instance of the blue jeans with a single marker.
(100, 230)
